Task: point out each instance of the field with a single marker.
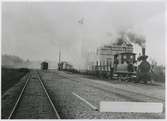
(10, 77)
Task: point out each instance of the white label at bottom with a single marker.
(138, 107)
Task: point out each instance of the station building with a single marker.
(105, 54)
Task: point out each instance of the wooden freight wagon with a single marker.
(44, 65)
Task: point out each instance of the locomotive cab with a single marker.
(124, 64)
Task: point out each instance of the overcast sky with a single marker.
(38, 30)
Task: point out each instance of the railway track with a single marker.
(34, 102)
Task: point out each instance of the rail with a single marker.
(19, 98)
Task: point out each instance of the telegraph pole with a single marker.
(59, 56)
(59, 64)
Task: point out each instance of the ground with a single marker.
(63, 87)
(78, 96)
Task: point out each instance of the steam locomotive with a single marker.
(125, 68)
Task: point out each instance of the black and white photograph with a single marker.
(83, 59)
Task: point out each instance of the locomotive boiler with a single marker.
(143, 72)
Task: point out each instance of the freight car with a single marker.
(65, 66)
(44, 65)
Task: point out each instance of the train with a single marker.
(125, 67)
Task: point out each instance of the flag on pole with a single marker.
(81, 21)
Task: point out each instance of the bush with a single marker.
(158, 73)
(11, 76)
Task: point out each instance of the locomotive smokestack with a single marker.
(143, 56)
(143, 51)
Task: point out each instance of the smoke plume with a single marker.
(136, 38)
(132, 37)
